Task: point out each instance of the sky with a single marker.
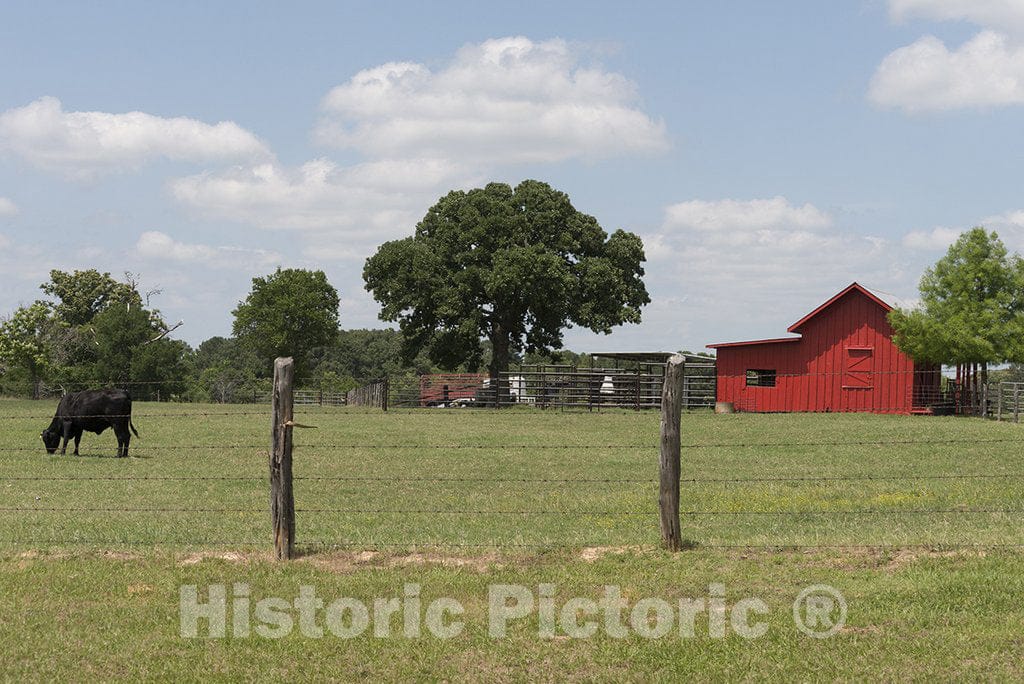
(769, 154)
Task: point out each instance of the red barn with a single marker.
(843, 359)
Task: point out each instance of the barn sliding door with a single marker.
(857, 380)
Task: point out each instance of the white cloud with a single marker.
(772, 223)
(7, 207)
(83, 144)
(506, 100)
(984, 72)
(748, 216)
(160, 246)
(1010, 218)
(360, 201)
(1005, 14)
(748, 266)
(1009, 225)
(936, 239)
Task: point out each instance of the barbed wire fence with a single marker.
(286, 517)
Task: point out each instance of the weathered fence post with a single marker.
(984, 400)
(668, 495)
(999, 402)
(282, 499)
(1016, 403)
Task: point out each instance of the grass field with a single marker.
(917, 521)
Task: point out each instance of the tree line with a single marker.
(96, 330)
(490, 276)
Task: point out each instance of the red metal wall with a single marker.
(844, 361)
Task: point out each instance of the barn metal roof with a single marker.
(852, 287)
(883, 299)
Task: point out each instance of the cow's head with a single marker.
(51, 440)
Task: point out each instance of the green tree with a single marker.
(158, 369)
(514, 267)
(972, 306)
(226, 371)
(364, 355)
(288, 313)
(26, 342)
(82, 295)
(119, 332)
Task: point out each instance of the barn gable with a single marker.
(843, 359)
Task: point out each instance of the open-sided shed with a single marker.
(842, 359)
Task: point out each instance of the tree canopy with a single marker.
(972, 306)
(288, 313)
(512, 266)
(26, 342)
(81, 295)
(97, 332)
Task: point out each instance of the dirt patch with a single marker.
(121, 555)
(903, 557)
(593, 553)
(874, 558)
(361, 560)
(230, 556)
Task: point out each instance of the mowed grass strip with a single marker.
(911, 616)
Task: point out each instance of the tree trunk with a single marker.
(983, 395)
(498, 370)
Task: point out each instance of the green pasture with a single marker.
(510, 478)
(916, 520)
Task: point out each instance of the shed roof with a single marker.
(641, 357)
(774, 340)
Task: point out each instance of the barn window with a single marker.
(858, 367)
(760, 378)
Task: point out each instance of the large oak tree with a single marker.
(512, 266)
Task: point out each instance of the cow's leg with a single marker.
(78, 438)
(66, 434)
(123, 438)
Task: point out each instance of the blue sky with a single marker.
(768, 153)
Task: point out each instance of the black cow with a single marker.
(95, 411)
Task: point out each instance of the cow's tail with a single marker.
(132, 426)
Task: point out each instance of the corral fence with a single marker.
(370, 395)
(319, 398)
(1008, 400)
(550, 386)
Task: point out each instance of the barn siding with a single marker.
(811, 370)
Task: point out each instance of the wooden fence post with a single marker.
(999, 402)
(668, 495)
(984, 400)
(282, 499)
(1016, 403)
